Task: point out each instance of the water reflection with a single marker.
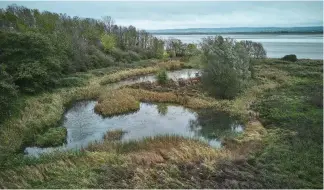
(162, 109)
(214, 125)
(85, 126)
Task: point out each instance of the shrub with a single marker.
(99, 59)
(120, 55)
(134, 56)
(226, 69)
(162, 76)
(30, 59)
(8, 92)
(291, 57)
(71, 82)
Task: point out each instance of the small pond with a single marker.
(85, 126)
(174, 75)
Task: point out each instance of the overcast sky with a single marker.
(170, 15)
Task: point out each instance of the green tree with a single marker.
(226, 69)
(108, 41)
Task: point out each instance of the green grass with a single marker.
(295, 143)
(53, 137)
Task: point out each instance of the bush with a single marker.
(71, 82)
(162, 76)
(120, 55)
(226, 68)
(98, 59)
(30, 59)
(8, 92)
(134, 56)
(291, 57)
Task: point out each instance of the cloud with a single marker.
(167, 15)
(235, 19)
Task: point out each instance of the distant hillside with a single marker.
(235, 30)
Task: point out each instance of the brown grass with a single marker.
(127, 100)
(114, 135)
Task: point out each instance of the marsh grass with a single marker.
(127, 100)
(286, 153)
(114, 135)
(52, 137)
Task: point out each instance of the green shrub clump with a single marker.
(53, 137)
(162, 76)
(291, 57)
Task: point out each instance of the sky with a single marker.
(175, 15)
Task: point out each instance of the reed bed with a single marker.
(127, 100)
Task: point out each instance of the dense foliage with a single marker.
(291, 57)
(38, 48)
(162, 76)
(227, 66)
(254, 49)
(176, 48)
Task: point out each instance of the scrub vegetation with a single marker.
(49, 61)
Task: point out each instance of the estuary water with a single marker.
(306, 46)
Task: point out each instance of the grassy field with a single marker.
(281, 146)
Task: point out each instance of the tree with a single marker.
(108, 23)
(175, 46)
(108, 41)
(226, 69)
(254, 49)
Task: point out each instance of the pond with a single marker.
(85, 126)
(174, 75)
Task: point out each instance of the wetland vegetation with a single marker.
(259, 121)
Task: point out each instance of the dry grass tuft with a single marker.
(114, 135)
(127, 100)
(116, 102)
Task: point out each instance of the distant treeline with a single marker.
(242, 30)
(218, 33)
